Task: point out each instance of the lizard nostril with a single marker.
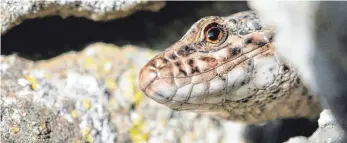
(147, 76)
(158, 62)
(235, 51)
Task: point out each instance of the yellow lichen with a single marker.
(43, 125)
(137, 98)
(111, 84)
(86, 131)
(129, 81)
(32, 81)
(138, 137)
(137, 134)
(86, 104)
(86, 135)
(89, 138)
(74, 114)
(14, 130)
(90, 63)
(137, 131)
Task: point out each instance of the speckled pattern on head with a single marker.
(228, 66)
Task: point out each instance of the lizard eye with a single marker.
(214, 33)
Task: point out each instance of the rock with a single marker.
(13, 12)
(285, 17)
(312, 36)
(328, 131)
(93, 96)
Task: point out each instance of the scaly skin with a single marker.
(237, 75)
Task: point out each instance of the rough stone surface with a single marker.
(311, 36)
(328, 131)
(93, 96)
(13, 12)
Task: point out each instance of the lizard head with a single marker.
(204, 46)
(218, 66)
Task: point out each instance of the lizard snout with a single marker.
(155, 81)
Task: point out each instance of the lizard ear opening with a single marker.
(214, 33)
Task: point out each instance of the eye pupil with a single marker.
(213, 34)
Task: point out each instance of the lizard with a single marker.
(228, 67)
